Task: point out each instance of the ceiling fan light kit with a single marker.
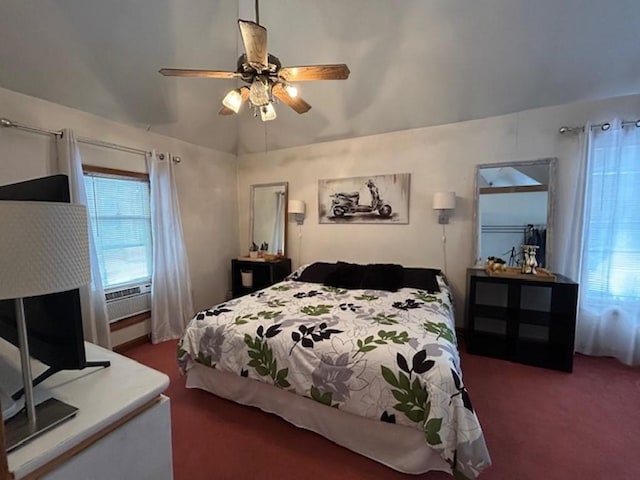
(269, 81)
(233, 100)
(267, 112)
(291, 90)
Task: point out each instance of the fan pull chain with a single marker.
(266, 143)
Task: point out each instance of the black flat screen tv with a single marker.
(54, 322)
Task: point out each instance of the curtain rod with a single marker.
(602, 126)
(5, 122)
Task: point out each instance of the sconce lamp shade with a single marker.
(297, 206)
(444, 200)
(44, 248)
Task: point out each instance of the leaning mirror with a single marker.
(514, 207)
(268, 217)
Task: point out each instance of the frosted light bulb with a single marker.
(292, 91)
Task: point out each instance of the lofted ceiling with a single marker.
(414, 63)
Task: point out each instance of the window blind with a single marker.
(119, 212)
(612, 241)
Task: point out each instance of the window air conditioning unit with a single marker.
(127, 302)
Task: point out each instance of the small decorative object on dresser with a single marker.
(529, 262)
(253, 250)
(495, 264)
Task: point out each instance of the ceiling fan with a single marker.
(264, 73)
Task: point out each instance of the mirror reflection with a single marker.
(514, 207)
(268, 218)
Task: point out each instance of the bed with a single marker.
(363, 355)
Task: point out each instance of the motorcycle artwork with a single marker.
(348, 203)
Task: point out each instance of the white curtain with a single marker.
(94, 308)
(277, 239)
(171, 304)
(570, 258)
(609, 310)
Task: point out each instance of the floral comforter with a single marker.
(388, 356)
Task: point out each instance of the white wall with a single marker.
(217, 228)
(206, 179)
(439, 158)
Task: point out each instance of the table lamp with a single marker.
(44, 249)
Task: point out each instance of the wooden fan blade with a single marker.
(298, 104)
(226, 111)
(303, 73)
(254, 38)
(244, 93)
(181, 72)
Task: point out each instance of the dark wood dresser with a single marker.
(522, 320)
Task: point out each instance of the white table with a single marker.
(122, 429)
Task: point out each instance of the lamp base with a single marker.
(48, 414)
(443, 219)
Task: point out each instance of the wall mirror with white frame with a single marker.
(514, 204)
(268, 217)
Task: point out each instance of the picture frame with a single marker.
(377, 199)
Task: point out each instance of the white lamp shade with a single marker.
(233, 100)
(267, 112)
(44, 248)
(444, 200)
(296, 206)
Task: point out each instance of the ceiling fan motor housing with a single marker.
(248, 73)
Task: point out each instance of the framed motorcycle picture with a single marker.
(370, 199)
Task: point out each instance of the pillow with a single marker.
(381, 276)
(346, 275)
(316, 272)
(421, 278)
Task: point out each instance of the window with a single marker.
(612, 241)
(119, 212)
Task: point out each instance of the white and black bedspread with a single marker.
(387, 356)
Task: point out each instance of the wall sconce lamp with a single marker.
(444, 201)
(297, 209)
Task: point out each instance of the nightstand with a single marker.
(521, 320)
(257, 274)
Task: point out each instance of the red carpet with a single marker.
(539, 424)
